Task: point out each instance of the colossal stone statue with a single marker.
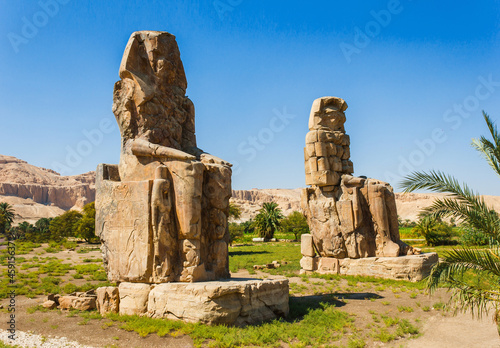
(162, 212)
(349, 217)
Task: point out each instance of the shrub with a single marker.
(295, 223)
(435, 231)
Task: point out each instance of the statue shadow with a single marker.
(240, 253)
(301, 305)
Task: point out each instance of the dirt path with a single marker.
(458, 331)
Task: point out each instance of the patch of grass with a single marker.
(386, 303)
(438, 306)
(405, 309)
(389, 321)
(413, 295)
(383, 335)
(38, 308)
(356, 343)
(405, 327)
(326, 322)
(248, 255)
(395, 285)
(426, 308)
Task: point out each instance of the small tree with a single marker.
(268, 221)
(86, 225)
(65, 225)
(24, 230)
(235, 232)
(295, 223)
(248, 226)
(42, 227)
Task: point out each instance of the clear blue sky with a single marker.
(419, 76)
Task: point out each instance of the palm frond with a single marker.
(463, 203)
(489, 150)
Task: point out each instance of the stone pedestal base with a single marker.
(411, 267)
(229, 302)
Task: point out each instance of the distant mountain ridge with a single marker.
(38, 192)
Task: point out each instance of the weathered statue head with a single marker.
(327, 113)
(150, 99)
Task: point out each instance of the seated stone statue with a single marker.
(349, 217)
(162, 212)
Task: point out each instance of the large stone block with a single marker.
(412, 267)
(220, 302)
(309, 263)
(306, 245)
(328, 265)
(133, 298)
(108, 300)
(122, 223)
(81, 303)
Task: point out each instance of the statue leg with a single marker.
(378, 208)
(187, 182)
(216, 194)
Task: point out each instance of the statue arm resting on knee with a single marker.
(141, 147)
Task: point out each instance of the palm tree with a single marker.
(433, 230)
(473, 275)
(268, 220)
(7, 211)
(25, 229)
(234, 211)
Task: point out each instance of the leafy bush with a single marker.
(65, 225)
(235, 232)
(85, 227)
(472, 236)
(435, 231)
(295, 223)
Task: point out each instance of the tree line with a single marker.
(70, 224)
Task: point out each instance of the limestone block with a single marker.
(220, 302)
(411, 267)
(309, 263)
(337, 164)
(122, 223)
(311, 150)
(340, 151)
(325, 178)
(133, 298)
(346, 141)
(84, 303)
(347, 153)
(313, 164)
(309, 180)
(323, 164)
(306, 166)
(326, 136)
(306, 245)
(320, 149)
(49, 304)
(328, 265)
(108, 300)
(345, 211)
(332, 149)
(312, 137)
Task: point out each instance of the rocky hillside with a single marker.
(38, 192)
